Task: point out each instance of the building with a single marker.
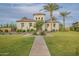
(5, 29)
(25, 23)
(75, 26)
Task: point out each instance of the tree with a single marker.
(7, 25)
(1, 25)
(39, 25)
(12, 26)
(51, 7)
(64, 14)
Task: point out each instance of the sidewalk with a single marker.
(39, 47)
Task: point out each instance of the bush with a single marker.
(32, 30)
(18, 30)
(23, 30)
(28, 30)
(53, 30)
(45, 29)
(43, 33)
(34, 33)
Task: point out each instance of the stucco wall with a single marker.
(39, 16)
(56, 28)
(48, 27)
(26, 25)
(4, 29)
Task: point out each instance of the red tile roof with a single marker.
(38, 14)
(24, 19)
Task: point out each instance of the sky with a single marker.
(10, 12)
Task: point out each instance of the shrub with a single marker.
(53, 30)
(32, 30)
(23, 30)
(28, 30)
(19, 30)
(43, 33)
(45, 29)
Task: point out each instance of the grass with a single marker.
(15, 45)
(63, 43)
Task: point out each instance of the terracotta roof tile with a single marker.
(39, 14)
(24, 19)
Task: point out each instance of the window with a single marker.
(41, 18)
(36, 18)
(47, 25)
(30, 24)
(53, 25)
(22, 25)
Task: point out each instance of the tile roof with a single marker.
(24, 19)
(39, 14)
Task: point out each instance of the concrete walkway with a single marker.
(39, 47)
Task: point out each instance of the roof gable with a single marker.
(24, 19)
(39, 14)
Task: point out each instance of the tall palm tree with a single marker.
(51, 7)
(64, 14)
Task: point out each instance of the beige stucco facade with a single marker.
(36, 17)
(52, 27)
(26, 25)
(5, 29)
(48, 26)
(39, 17)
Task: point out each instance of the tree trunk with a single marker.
(64, 23)
(51, 19)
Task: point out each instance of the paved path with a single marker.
(39, 47)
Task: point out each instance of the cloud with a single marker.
(12, 11)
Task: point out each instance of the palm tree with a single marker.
(51, 7)
(64, 14)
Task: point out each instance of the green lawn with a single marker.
(63, 43)
(15, 45)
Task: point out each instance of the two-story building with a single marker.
(25, 23)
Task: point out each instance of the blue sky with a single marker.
(10, 12)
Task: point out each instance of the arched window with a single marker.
(6, 30)
(1, 31)
(54, 25)
(30, 24)
(47, 25)
(22, 25)
(36, 18)
(41, 18)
